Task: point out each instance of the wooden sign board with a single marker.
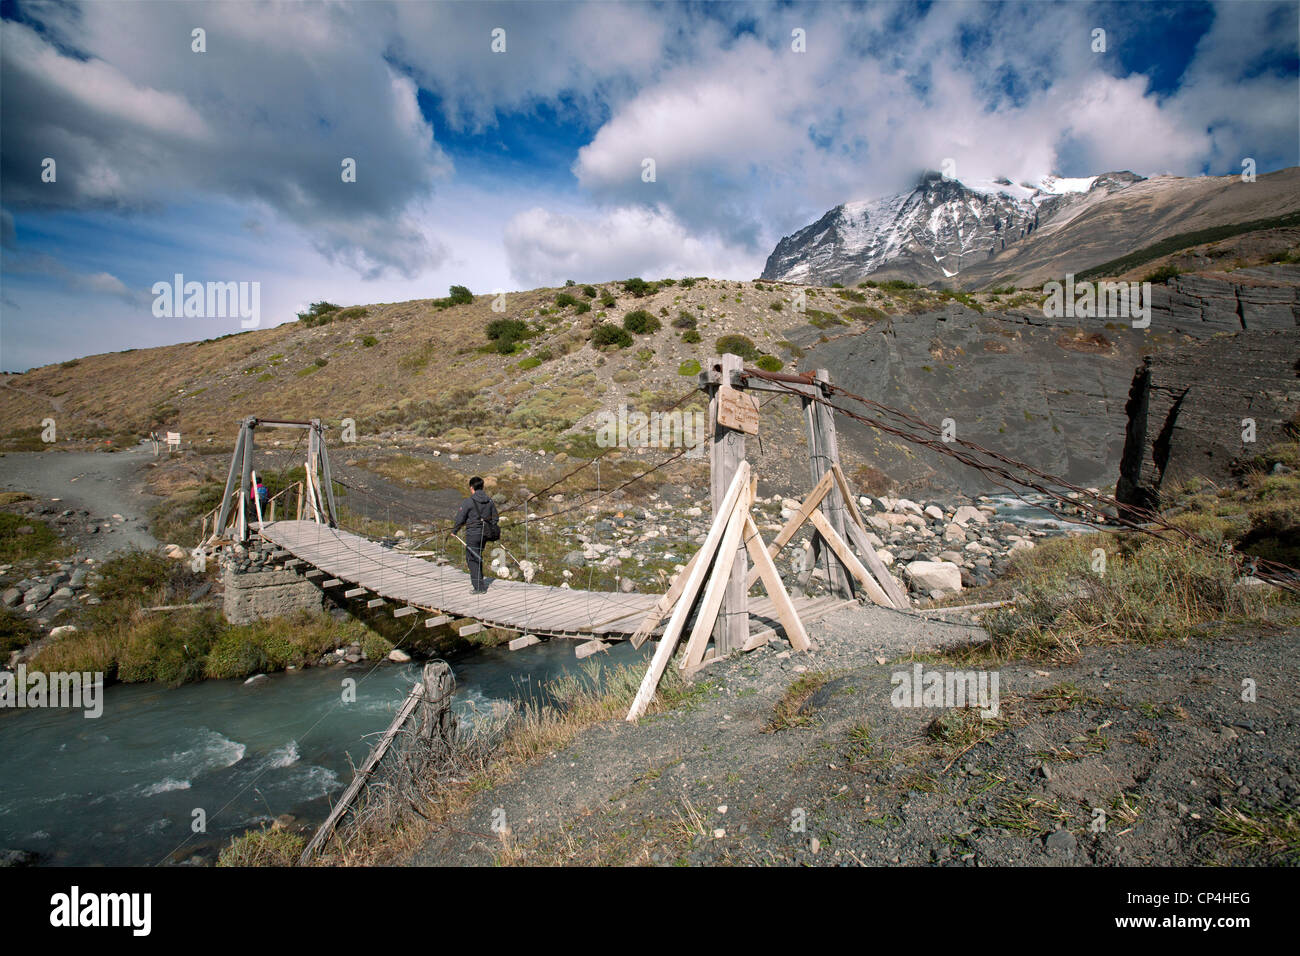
(737, 410)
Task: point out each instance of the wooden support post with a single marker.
(823, 454)
(727, 452)
(673, 632)
(857, 529)
(437, 723)
(785, 611)
(719, 583)
(236, 465)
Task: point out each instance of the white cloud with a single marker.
(546, 248)
(283, 94)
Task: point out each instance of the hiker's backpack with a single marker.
(491, 526)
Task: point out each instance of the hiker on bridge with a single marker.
(478, 516)
(258, 493)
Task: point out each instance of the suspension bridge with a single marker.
(708, 604)
(358, 568)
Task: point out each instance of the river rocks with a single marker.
(398, 656)
(934, 575)
(966, 514)
(575, 559)
(934, 511)
(63, 629)
(11, 597)
(37, 594)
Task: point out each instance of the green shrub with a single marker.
(1163, 274)
(507, 333)
(589, 291)
(685, 320)
(691, 336)
(740, 345)
(607, 334)
(564, 300)
(460, 295)
(531, 362)
(638, 287)
(369, 341)
(776, 305)
(641, 322)
(583, 308)
(607, 300)
(319, 313)
(770, 363)
(688, 282)
(689, 367)
(321, 361)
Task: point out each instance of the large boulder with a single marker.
(966, 514)
(934, 575)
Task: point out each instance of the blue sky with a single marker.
(522, 168)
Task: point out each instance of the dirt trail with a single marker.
(101, 483)
(1133, 755)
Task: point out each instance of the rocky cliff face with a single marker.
(1197, 408)
(1058, 393)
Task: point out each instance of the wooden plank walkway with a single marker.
(512, 605)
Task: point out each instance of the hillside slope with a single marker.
(416, 377)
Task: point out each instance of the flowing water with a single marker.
(124, 788)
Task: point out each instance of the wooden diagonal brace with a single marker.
(785, 611)
(849, 560)
(820, 490)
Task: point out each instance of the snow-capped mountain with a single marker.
(931, 233)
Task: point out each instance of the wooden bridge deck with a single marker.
(513, 605)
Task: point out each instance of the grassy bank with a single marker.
(1136, 588)
(390, 824)
(122, 640)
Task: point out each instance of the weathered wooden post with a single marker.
(437, 725)
(726, 452)
(823, 452)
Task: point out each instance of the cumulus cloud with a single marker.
(754, 135)
(282, 96)
(546, 248)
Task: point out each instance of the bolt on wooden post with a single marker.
(726, 452)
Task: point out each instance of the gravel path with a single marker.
(1133, 755)
(101, 483)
